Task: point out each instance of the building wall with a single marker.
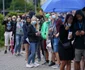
(43, 1)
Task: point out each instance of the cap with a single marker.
(47, 15)
(28, 17)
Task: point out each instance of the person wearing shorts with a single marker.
(79, 42)
(25, 29)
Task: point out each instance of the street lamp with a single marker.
(35, 6)
(3, 7)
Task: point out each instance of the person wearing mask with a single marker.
(19, 36)
(8, 32)
(65, 48)
(44, 34)
(54, 40)
(79, 36)
(33, 35)
(13, 32)
(14, 22)
(26, 40)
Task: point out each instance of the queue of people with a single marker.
(59, 38)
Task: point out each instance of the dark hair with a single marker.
(80, 13)
(67, 17)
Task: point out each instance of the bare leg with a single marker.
(68, 67)
(63, 64)
(82, 64)
(26, 50)
(57, 57)
(77, 66)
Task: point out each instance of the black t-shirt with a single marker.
(8, 26)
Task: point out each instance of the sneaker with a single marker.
(51, 64)
(36, 64)
(15, 54)
(46, 62)
(56, 66)
(18, 54)
(22, 52)
(5, 52)
(29, 65)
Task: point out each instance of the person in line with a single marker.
(66, 52)
(8, 32)
(19, 36)
(79, 35)
(33, 35)
(26, 40)
(44, 34)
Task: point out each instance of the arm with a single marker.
(4, 22)
(25, 31)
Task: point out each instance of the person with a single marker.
(79, 35)
(33, 39)
(66, 53)
(44, 34)
(40, 43)
(19, 36)
(55, 39)
(14, 30)
(8, 32)
(31, 13)
(26, 42)
(12, 44)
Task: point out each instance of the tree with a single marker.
(7, 4)
(20, 5)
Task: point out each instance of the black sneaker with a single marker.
(5, 52)
(46, 62)
(51, 64)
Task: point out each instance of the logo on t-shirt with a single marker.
(9, 26)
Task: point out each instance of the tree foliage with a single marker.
(1, 31)
(20, 5)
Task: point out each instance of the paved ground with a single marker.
(11, 62)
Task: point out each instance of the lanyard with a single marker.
(80, 25)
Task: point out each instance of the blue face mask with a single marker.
(34, 22)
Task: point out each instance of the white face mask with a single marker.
(13, 19)
(53, 16)
(49, 20)
(34, 22)
(69, 24)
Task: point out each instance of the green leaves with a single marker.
(1, 31)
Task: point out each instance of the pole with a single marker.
(3, 8)
(25, 5)
(35, 6)
(13, 5)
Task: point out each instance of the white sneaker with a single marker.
(56, 66)
(36, 64)
(29, 65)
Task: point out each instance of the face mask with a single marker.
(69, 24)
(34, 22)
(53, 16)
(13, 19)
(49, 20)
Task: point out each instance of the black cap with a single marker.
(28, 17)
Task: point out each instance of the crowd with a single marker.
(59, 37)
